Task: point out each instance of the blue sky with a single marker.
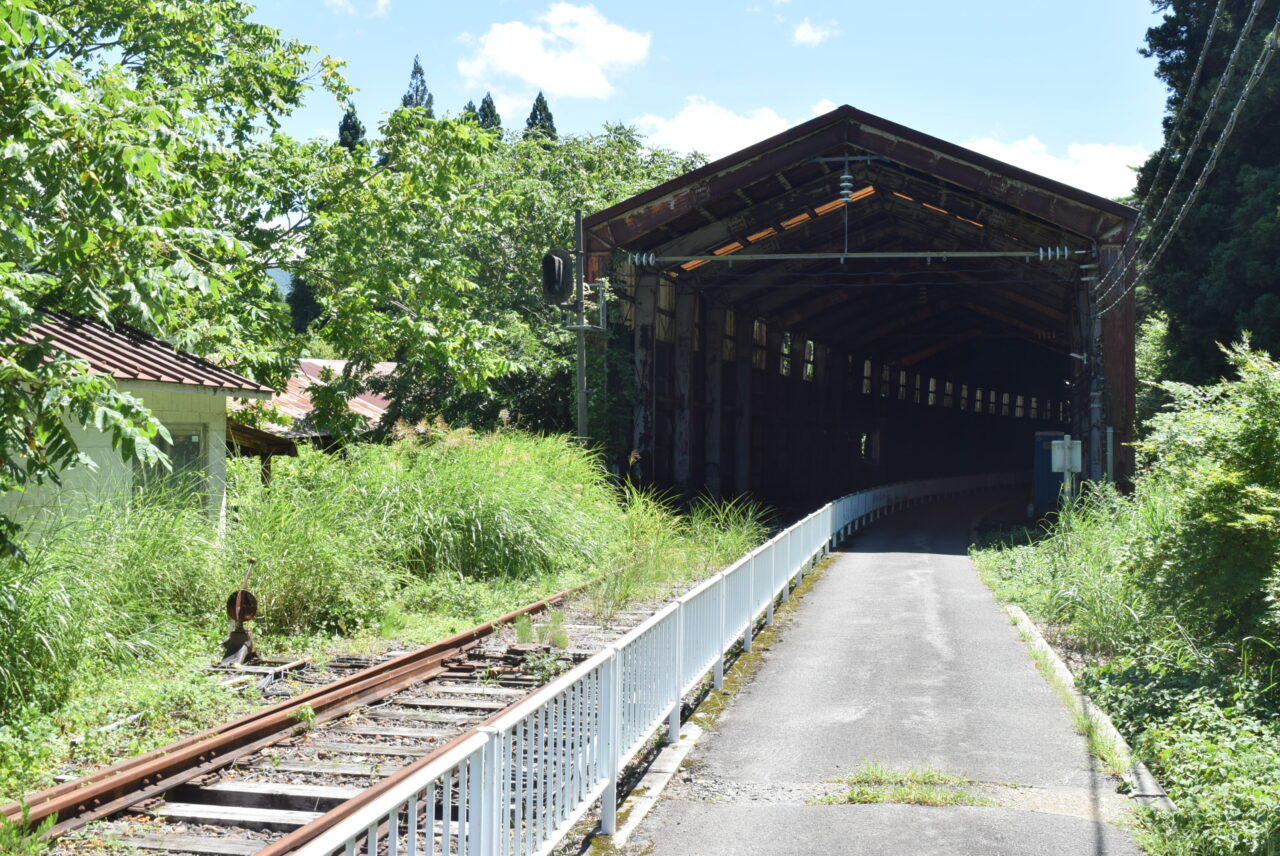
(1057, 87)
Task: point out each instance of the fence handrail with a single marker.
(517, 785)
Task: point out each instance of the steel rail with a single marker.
(141, 777)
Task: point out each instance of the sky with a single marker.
(1053, 86)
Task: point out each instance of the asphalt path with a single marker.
(899, 656)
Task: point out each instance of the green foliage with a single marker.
(1217, 278)
(136, 178)
(1171, 595)
(350, 130)
(304, 309)
(1152, 364)
(17, 838)
(487, 115)
(417, 96)
(540, 125)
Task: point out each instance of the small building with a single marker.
(295, 402)
(186, 394)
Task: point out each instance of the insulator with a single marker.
(846, 186)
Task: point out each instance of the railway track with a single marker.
(271, 781)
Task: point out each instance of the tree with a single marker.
(1218, 276)
(350, 130)
(303, 306)
(137, 185)
(488, 114)
(417, 95)
(469, 111)
(540, 123)
(384, 264)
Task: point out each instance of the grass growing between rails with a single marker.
(118, 608)
(1168, 603)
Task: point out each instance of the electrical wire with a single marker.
(1188, 156)
(1168, 149)
(1264, 59)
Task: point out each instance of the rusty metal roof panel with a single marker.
(128, 354)
(295, 400)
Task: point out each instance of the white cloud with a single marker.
(704, 126)
(347, 7)
(567, 52)
(826, 105)
(808, 33)
(1101, 168)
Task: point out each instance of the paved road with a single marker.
(898, 655)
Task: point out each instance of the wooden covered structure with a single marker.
(796, 376)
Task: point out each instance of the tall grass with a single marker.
(419, 538)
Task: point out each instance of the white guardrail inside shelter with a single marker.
(516, 787)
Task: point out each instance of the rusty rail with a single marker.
(141, 777)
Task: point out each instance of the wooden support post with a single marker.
(744, 330)
(646, 307)
(682, 435)
(1118, 332)
(713, 347)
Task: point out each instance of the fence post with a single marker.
(483, 810)
(611, 726)
(673, 718)
(751, 604)
(717, 672)
(787, 566)
(773, 582)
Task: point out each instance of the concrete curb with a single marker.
(1145, 790)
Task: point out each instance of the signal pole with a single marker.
(580, 307)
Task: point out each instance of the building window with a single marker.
(1035, 411)
(188, 456)
(978, 400)
(866, 377)
(991, 402)
(964, 396)
(902, 385)
(864, 446)
(884, 381)
(933, 391)
(1019, 411)
(1004, 404)
(948, 395)
(810, 352)
(784, 363)
(919, 380)
(759, 345)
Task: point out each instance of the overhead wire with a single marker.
(1130, 258)
(1259, 67)
(1168, 149)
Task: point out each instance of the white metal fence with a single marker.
(514, 788)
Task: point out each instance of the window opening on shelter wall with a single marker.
(1004, 404)
(187, 454)
(1019, 409)
(809, 356)
(991, 402)
(784, 362)
(978, 401)
(964, 396)
(1035, 409)
(948, 395)
(729, 341)
(864, 446)
(759, 345)
(933, 391)
(884, 381)
(866, 377)
(902, 385)
(919, 379)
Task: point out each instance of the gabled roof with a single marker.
(646, 220)
(128, 354)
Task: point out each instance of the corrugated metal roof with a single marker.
(127, 354)
(295, 400)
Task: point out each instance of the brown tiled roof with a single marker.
(295, 400)
(129, 354)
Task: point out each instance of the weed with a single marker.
(305, 716)
(17, 838)
(524, 629)
(544, 666)
(877, 774)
